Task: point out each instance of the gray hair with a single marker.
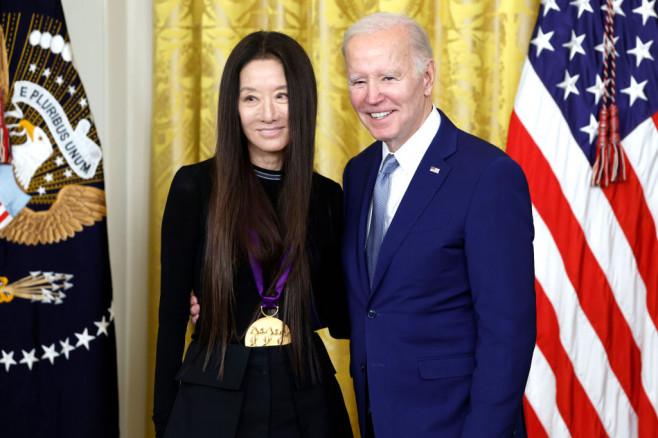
(420, 42)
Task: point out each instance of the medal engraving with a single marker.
(267, 331)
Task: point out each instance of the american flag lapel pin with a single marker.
(434, 169)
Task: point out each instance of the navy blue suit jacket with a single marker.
(446, 334)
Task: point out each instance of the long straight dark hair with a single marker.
(238, 203)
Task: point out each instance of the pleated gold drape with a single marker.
(479, 47)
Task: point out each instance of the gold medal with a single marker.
(267, 331)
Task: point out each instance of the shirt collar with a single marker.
(413, 150)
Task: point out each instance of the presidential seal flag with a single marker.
(58, 372)
(585, 130)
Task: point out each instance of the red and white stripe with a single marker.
(595, 368)
(5, 217)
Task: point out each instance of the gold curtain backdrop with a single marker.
(479, 49)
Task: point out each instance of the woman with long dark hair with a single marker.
(254, 233)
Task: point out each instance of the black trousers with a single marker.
(258, 397)
(268, 408)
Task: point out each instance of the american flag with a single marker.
(595, 366)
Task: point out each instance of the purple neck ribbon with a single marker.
(257, 270)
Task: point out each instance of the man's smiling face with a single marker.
(390, 96)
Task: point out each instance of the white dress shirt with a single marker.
(409, 156)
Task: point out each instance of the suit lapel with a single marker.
(369, 175)
(424, 184)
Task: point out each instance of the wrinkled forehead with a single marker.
(377, 54)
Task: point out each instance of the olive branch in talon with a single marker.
(47, 287)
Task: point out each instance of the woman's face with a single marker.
(263, 108)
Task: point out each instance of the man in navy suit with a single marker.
(443, 313)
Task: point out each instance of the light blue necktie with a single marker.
(379, 203)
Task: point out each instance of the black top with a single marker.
(183, 235)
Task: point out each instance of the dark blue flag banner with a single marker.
(58, 370)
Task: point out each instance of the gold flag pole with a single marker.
(4, 68)
(5, 153)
